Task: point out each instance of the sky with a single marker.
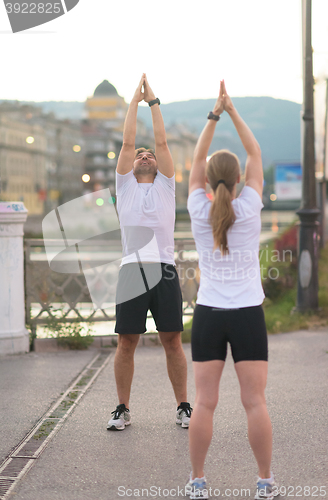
(185, 47)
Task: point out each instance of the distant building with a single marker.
(107, 106)
(65, 180)
(40, 160)
(22, 159)
(101, 148)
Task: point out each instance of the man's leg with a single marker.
(124, 366)
(176, 363)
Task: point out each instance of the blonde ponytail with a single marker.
(222, 173)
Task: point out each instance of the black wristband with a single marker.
(154, 101)
(212, 116)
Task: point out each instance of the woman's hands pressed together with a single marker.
(219, 105)
(223, 103)
(227, 102)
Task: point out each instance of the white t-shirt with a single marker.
(232, 280)
(150, 205)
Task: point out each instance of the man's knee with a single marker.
(128, 342)
(170, 340)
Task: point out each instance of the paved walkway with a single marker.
(84, 461)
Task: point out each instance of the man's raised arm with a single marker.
(126, 157)
(163, 155)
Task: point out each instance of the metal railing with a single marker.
(47, 291)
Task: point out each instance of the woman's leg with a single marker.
(207, 380)
(252, 377)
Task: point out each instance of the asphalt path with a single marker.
(150, 459)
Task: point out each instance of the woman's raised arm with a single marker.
(197, 177)
(254, 168)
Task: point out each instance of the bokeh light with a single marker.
(178, 177)
(85, 177)
(111, 155)
(30, 140)
(76, 148)
(99, 202)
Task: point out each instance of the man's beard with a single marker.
(145, 170)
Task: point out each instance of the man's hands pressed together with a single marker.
(126, 158)
(139, 95)
(148, 93)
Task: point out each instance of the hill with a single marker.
(275, 123)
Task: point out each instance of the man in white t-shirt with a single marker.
(148, 280)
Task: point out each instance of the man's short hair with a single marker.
(142, 150)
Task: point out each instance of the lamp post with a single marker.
(323, 181)
(308, 246)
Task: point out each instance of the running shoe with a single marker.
(266, 489)
(183, 415)
(196, 488)
(121, 418)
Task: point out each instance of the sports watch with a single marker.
(154, 101)
(212, 116)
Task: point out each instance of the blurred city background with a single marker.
(62, 111)
(53, 152)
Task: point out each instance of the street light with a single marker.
(307, 286)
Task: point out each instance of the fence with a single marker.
(49, 293)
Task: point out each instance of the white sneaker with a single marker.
(196, 488)
(266, 489)
(121, 418)
(183, 415)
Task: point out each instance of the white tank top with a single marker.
(148, 206)
(232, 280)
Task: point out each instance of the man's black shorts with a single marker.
(244, 329)
(164, 301)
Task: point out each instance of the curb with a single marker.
(99, 341)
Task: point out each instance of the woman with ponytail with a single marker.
(228, 309)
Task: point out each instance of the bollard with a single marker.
(14, 338)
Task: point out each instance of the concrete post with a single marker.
(14, 338)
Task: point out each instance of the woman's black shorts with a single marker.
(164, 300)
(244, 329)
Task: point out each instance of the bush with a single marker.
(288, 241)
(286, 280)
(281, 274)
(73, 335)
